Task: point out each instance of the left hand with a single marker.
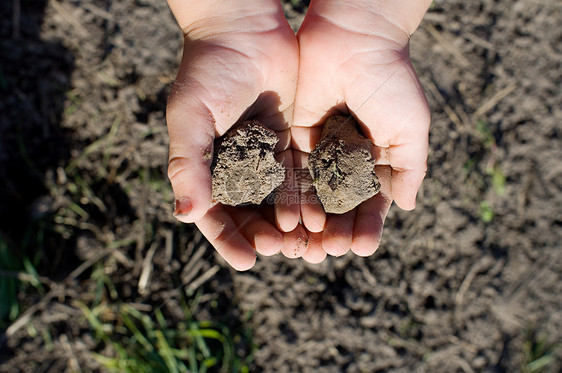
(240, 60)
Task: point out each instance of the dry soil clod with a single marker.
(342, 167)
(244, 169)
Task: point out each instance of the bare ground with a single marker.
(469, 281)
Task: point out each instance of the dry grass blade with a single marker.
(73, 364)
(493, 101)
(194, 285)
(98, 11)
(483, 264)
(102, 142)
(27, 315)
(87, 264)
(462, 126)
(447, 44)
(194, 265)
(26, 277)
(374, 283)
(70, 18)
(56, 290)
(146, 268)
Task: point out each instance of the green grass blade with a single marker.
(136, 332)
(166, 353)
(94, 322)
(107, 362)
(540, 363)
(208, 333)
(30, 269)
(196, 334)
(160, 319)
(192, 359)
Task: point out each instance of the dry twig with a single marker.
(146, 268)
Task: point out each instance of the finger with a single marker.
(304, 139)
(191, 149)
(315, 253)
(259, 232)
(408, 171)
(295, 242)
(284, 141)
(221, 231)
(287, 206)
(370, 216)
(406, 180)
(337, 235)
(312, 212)
(381, 155)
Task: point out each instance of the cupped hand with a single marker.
(240, 61)
(354, 59)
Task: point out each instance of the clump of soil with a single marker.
(244, 169)
(342, 167)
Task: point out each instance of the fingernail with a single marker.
(182, 206)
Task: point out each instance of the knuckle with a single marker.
(176, 166)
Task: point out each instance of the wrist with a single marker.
(404, 16)
(193, 15)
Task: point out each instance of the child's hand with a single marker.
(240, 59)
(354, 58)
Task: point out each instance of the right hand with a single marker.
(354, 59)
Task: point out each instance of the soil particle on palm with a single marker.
(342, 167)
(244, 169)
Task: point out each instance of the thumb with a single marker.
(206, 99)
(192, 133)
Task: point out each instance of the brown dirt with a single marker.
(467, 282)
(244, 169)
(342, 167)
